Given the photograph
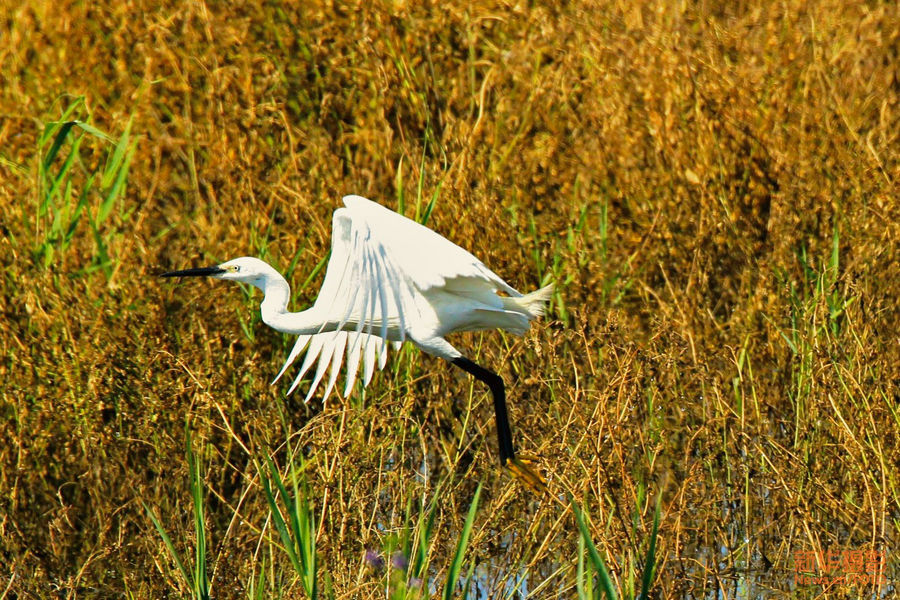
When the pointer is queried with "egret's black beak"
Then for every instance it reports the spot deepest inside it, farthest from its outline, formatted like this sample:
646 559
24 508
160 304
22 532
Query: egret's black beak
198 272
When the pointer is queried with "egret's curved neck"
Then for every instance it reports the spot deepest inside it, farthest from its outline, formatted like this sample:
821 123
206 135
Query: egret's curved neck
274 310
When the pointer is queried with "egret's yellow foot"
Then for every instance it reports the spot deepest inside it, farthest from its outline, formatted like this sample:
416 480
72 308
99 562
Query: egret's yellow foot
521 468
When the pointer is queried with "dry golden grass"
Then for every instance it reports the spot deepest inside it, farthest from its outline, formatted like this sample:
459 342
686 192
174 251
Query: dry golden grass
711 185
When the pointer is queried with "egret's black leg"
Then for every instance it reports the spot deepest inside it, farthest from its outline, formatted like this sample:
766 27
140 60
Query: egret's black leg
519 467
495 382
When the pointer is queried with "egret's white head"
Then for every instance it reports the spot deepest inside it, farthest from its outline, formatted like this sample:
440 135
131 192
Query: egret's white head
245 269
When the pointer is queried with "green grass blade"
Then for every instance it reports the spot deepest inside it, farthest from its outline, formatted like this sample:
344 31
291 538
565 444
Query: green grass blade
76 216
117 189
650 560
599 566
52 126
430 206
289 272
168 542
58 141
101 259
303 528
419 185
95 132
319 266
63 176
583 585
298 531
201 578
119 155
426 526
835 262
398 187
456 565
465 591
277 518
13 165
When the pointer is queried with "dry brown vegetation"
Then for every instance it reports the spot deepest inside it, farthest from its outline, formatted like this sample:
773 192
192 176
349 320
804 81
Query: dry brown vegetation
711 185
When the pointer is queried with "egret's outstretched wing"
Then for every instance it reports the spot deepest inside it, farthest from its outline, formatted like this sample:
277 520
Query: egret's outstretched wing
381 266
329 348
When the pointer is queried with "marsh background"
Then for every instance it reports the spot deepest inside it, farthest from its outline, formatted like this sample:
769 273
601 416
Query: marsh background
711 185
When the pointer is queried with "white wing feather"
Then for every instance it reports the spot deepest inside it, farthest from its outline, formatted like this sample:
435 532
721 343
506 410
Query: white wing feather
381 264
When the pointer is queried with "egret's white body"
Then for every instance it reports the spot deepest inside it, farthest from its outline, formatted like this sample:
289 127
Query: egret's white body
389 279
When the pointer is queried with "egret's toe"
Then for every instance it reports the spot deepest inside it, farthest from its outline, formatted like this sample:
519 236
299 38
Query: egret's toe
522 469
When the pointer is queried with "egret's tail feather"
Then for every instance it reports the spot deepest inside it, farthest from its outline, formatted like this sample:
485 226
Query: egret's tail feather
535 303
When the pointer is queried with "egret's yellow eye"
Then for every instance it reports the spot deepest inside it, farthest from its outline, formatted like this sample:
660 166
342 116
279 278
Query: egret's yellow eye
234 268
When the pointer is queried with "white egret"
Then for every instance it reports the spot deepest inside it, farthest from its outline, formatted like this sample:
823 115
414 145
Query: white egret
390 279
